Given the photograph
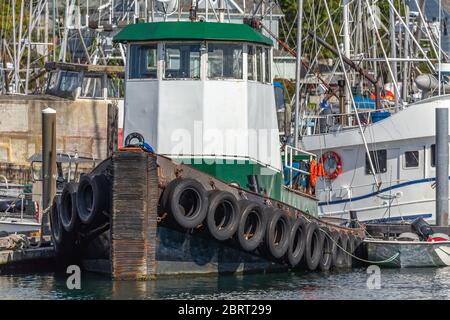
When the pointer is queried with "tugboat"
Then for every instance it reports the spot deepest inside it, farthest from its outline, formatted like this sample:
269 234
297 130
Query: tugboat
201 185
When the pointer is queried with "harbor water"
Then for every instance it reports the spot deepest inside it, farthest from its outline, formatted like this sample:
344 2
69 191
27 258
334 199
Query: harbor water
398 284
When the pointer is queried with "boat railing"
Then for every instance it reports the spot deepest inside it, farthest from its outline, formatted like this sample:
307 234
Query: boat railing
326 123
21 197
6 181
289 158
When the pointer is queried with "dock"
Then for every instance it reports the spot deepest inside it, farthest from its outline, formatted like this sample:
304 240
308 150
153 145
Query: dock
17 251
10 257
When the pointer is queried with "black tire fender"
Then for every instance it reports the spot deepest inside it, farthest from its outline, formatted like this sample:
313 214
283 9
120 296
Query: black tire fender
313 245
341 255
224 206
351 249
93 198
277 233
63 241
55 223
68 207
297 240
252 225
187 203
326 260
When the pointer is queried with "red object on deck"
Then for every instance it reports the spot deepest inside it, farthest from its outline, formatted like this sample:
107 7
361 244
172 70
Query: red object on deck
120 138
436 239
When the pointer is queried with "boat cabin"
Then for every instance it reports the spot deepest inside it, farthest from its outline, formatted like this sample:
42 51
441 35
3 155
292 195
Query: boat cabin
202 93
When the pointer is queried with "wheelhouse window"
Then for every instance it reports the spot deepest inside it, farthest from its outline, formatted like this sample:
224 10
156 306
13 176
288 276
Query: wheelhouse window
182 61
411 159
52 80
267 75
143 61
251 51
92 87
69 81
224 61
115 87
379 160
259 64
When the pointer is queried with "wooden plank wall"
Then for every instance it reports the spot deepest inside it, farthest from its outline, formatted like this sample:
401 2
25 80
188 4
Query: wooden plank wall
134 213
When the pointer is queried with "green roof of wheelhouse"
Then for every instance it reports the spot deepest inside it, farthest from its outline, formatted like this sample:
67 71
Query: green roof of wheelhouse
156 31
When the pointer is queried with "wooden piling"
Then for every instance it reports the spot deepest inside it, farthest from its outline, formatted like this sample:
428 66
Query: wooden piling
134 213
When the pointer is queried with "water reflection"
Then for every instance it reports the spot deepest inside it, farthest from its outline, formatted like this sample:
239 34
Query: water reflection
395 284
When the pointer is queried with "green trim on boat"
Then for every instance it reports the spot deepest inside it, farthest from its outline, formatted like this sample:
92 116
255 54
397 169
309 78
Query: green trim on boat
157 31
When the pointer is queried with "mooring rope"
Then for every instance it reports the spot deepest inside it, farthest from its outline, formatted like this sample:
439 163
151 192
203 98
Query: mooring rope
358 258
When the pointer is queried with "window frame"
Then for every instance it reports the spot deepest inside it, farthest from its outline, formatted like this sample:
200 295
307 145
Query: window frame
433 155
243 74
261 64
404 164
267 62
55 88
251 45
62 74
163 60
158 58
102 86
266 53
367 164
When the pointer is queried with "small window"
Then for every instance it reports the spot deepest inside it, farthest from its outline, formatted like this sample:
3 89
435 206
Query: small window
182 61
259 65
250 63
224 61
91 87
411 159
143 62
115 87
69 81
52 80
433 155
267 64
379 161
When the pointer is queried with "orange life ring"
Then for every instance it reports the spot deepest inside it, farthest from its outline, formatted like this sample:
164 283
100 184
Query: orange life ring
337 159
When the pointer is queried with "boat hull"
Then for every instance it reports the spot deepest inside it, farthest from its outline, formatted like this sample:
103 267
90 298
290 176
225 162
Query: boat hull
182 253
12 225
411 254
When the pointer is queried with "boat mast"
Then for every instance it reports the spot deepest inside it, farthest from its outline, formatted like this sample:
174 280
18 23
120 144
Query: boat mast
358 120
346 35
406 55
393 50
298 70
221 11
440 48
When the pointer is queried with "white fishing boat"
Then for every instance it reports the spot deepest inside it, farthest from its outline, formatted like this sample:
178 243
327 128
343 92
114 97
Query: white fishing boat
379 159
402 148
